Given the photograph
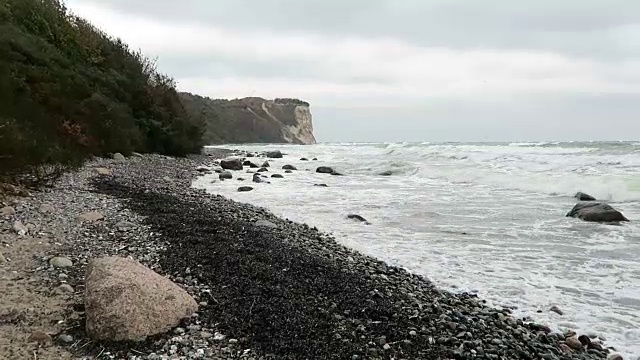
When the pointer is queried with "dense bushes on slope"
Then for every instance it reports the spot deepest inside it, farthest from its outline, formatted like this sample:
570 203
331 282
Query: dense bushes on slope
69 91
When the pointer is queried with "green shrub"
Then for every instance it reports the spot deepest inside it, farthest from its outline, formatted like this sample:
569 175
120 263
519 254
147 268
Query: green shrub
69 91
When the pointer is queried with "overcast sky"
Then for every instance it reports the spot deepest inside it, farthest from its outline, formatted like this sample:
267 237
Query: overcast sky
404 70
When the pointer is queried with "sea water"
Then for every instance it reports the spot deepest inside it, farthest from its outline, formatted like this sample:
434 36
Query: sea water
481 217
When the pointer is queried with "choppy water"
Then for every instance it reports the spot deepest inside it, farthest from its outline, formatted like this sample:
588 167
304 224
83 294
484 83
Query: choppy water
518 248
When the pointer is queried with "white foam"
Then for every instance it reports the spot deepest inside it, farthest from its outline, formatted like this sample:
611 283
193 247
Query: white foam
519 250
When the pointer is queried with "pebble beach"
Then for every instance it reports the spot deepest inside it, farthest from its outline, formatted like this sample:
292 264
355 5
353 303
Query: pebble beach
266 287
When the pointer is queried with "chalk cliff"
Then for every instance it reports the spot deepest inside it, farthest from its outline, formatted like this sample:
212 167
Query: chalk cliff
253 119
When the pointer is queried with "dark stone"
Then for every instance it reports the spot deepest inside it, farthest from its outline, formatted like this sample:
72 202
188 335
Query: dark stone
583 197
289 167
324 170
232 164
250 164
357 217
258 179
315 159
240 179
277 176
337 173
597 212
225 175
263 169
386 173
556 310
584 339
245 188
265 164
304 159
321 185
288 172
274 154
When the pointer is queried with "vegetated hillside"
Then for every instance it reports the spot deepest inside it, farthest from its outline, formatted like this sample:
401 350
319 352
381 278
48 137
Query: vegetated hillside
252 119
69 91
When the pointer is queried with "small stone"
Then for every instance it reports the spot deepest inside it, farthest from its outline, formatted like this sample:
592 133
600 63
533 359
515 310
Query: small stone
60 262
225 175
289 167
91 216
3 260
46 208
122 225
118 157
574 343
205 334
40 337
245 188
615 357
556 310
179 330
103 171
7 210
64 289
19 228
265 223
564 348
496 341
65 338
203 303
63 276
386 346
233 341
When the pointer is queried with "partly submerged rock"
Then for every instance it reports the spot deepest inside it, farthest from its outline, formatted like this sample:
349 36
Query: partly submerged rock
583 197
124 300
231 164
245 188
203 169
596 212
225 175
289 167
358 218
321 185
324 170
386 173
265 164
277 176
250 164
274 154
263 169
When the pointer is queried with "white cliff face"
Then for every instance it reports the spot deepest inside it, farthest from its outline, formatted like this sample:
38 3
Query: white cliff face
302 132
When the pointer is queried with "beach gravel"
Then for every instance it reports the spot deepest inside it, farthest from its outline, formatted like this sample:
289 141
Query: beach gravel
267 288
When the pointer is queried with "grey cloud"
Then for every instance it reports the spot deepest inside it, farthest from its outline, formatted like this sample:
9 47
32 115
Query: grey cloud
570 26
